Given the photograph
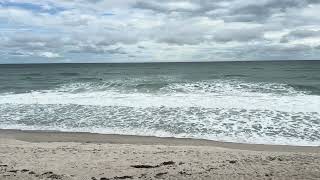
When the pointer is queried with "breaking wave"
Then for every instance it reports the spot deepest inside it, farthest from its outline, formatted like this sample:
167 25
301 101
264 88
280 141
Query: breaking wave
226 110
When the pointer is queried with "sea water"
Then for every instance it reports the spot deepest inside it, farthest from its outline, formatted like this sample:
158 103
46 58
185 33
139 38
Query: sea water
245 102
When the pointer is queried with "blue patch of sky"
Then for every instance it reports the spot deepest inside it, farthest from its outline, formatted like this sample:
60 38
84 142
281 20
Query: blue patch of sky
6 25
12 28
32 7
108 14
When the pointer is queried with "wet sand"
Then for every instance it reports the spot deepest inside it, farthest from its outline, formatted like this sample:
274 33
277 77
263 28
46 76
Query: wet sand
58 155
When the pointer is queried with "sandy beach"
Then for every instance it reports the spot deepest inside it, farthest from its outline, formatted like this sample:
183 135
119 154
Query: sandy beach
56 155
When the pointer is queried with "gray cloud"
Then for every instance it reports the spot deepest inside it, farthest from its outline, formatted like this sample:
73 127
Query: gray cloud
304 33
98 50
262 10
240 35
233 11
227 29
300 34
180 33
33 42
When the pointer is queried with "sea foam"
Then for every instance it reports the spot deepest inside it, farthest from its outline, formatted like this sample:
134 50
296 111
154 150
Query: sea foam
227 110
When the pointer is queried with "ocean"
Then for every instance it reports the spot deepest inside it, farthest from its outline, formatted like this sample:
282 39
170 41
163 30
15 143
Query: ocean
246 102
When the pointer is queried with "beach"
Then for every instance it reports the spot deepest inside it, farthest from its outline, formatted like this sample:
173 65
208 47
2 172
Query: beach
60 155
150 90
239 120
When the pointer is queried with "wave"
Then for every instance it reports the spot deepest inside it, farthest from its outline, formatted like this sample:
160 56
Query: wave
233 125
89 79
224 87
306 88
219 87
234 75
69 74
228 110
31 74
213 94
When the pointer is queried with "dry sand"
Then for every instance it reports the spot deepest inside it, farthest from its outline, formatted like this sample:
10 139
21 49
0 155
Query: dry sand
55 155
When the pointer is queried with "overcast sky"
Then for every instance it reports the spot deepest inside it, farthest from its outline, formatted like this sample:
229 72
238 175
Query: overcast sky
153 30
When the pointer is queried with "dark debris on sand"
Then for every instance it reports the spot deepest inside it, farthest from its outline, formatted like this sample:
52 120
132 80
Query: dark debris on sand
166 163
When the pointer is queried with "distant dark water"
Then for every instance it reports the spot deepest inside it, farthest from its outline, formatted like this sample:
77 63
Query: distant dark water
254 102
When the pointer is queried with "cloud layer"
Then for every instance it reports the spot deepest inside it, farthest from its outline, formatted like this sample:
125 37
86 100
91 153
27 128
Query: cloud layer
152 31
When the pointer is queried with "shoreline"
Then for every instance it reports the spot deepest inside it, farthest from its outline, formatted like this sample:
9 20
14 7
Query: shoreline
39 136
48 155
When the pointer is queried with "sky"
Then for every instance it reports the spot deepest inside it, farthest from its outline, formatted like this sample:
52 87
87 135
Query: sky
75 31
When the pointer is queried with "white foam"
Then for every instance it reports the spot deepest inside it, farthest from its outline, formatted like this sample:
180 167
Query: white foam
271 140
216 110
248 100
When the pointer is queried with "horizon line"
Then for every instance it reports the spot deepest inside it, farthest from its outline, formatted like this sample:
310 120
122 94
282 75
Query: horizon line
158 62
